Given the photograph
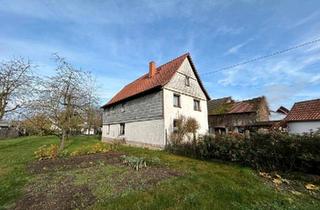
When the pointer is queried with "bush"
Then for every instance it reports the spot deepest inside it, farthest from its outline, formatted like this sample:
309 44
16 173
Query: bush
272 151
92 149
184 126
134 162
138 163
47 152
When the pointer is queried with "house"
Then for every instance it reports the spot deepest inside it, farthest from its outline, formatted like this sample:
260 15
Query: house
226 114
304 117
7 130
145 112
278 115
4 125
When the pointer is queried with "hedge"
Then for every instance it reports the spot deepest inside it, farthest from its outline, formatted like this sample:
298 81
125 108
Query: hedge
272 151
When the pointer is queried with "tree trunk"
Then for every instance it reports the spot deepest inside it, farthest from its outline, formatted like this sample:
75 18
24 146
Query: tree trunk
62 140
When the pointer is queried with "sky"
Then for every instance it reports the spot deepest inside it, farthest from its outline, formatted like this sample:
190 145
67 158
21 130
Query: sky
116 40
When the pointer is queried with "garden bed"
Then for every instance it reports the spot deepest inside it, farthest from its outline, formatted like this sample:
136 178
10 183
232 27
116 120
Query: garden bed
78 182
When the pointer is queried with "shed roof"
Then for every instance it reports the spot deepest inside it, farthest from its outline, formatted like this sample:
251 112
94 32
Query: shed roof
228 106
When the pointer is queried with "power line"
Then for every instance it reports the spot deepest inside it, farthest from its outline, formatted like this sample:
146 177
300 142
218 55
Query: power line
263 57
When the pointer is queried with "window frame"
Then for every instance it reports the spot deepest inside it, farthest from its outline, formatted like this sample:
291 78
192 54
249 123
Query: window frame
175 95
122 108
174 125
108 129
122 129
196 108
187 81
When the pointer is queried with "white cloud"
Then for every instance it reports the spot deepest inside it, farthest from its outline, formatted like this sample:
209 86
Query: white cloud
306 19
315 79
230 77
235 48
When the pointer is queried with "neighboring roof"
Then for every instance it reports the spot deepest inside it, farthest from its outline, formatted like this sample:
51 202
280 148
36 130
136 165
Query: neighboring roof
283 110
163 75
228 106
305 111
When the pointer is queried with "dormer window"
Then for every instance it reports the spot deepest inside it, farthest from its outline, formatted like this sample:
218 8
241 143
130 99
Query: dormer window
187 81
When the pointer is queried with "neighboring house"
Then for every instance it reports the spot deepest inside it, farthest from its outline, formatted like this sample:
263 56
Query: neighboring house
145 111
7 130
304 117
226 114
278 115
4 124
276 119
93 130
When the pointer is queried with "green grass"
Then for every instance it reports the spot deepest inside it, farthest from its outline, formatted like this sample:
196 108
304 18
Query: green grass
204 185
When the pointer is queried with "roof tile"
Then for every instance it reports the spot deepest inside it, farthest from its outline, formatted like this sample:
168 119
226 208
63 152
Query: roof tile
305 111
163 75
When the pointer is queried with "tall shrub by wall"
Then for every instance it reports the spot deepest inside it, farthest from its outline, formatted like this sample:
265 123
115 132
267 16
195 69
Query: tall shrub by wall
273 151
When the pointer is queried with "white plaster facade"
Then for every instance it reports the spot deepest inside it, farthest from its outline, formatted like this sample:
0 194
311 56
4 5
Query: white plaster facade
156 132
187 96
150 132
303 127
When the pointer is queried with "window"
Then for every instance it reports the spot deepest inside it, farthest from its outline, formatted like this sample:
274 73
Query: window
108 129
187 81
196 105
122 128
175 125
122 108
176 100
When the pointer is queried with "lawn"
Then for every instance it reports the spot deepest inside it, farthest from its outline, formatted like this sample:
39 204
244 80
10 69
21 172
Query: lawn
101 183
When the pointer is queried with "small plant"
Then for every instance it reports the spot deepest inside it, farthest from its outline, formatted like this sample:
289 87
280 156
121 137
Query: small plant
154 161
47 152
96 148
134 162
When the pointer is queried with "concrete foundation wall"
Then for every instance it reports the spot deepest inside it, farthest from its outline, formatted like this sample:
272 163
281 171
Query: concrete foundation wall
149 132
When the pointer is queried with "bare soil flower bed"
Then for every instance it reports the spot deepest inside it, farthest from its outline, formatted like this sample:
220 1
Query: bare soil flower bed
83 161
77 182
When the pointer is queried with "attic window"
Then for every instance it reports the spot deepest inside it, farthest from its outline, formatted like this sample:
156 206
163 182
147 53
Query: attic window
187 81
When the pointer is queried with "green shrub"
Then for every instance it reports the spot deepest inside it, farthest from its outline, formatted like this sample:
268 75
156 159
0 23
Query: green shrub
272 151
47 152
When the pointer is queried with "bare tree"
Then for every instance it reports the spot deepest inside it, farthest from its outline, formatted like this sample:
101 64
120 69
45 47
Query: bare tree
65 98
16 85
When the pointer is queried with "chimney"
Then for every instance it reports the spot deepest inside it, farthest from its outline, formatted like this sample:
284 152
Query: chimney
152 69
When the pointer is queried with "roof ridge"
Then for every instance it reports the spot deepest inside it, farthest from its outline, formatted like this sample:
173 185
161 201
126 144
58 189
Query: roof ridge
158 68
184 55
299 102
143 83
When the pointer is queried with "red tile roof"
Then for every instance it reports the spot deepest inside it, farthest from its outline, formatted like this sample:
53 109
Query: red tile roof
305 111
229 106
163 75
